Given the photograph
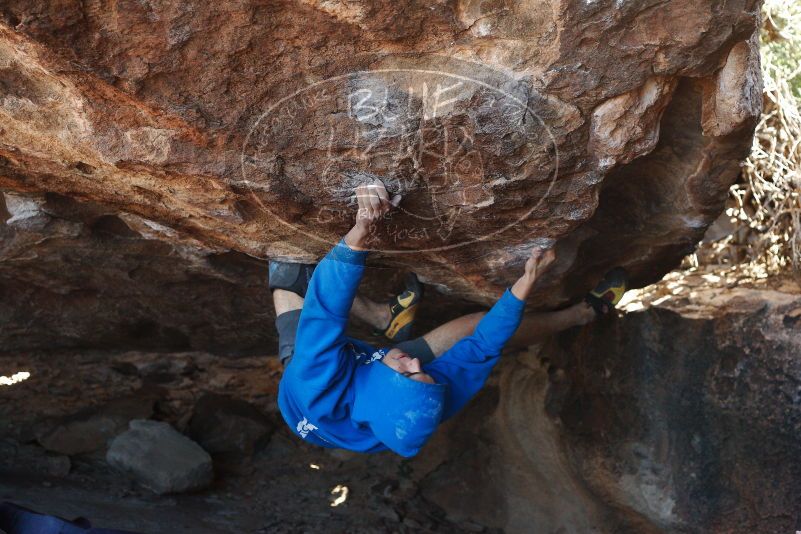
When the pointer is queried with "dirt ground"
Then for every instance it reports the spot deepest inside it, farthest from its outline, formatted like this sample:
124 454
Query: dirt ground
286 486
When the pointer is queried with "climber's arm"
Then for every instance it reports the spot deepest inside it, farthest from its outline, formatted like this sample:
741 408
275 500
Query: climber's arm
536 263
374 203
323 322
466 366
332 288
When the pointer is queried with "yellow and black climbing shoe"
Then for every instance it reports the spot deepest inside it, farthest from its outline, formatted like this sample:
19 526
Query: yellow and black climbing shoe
402 311
609 291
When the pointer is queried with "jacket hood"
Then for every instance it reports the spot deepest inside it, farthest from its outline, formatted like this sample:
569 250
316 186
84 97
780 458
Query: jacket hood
401 412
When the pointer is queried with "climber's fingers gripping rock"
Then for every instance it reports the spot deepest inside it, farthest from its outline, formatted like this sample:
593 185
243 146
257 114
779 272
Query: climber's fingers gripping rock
374 202
538 261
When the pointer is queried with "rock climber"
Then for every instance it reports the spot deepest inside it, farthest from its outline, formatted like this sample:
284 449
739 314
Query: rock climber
341 392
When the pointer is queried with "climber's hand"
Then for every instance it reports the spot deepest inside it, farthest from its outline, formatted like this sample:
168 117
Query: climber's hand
373 204
538 261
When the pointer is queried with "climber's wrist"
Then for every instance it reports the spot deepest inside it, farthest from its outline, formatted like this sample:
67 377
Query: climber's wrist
356 239
522 287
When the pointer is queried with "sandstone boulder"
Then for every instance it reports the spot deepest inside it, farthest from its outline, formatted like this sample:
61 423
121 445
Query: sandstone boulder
153 154
609 131
161 458
681 417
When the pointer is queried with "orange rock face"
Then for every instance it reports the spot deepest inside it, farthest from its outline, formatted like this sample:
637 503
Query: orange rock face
666 419
607 130
154 152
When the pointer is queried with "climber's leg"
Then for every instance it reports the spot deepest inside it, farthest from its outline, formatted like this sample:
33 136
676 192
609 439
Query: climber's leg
288 282
534 327
288 306
286 301
537 326
375 314
445 336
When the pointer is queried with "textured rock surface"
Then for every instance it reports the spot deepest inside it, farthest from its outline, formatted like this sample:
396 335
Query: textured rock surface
18 458
669 419
681 417
151 153
161 458
608 130
222 424
76 275
275 490
92 429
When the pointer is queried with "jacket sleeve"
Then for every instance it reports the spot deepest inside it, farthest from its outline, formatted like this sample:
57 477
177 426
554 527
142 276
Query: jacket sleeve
318 358
466 366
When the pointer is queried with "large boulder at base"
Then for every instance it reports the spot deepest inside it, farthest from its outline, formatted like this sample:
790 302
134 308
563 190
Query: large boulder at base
161 458
161 146
681 417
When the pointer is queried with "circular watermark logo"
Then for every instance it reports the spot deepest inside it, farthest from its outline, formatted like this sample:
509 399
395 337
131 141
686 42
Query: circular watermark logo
466 147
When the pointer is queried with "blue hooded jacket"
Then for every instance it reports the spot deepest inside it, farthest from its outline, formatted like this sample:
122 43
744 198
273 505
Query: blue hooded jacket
335 392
